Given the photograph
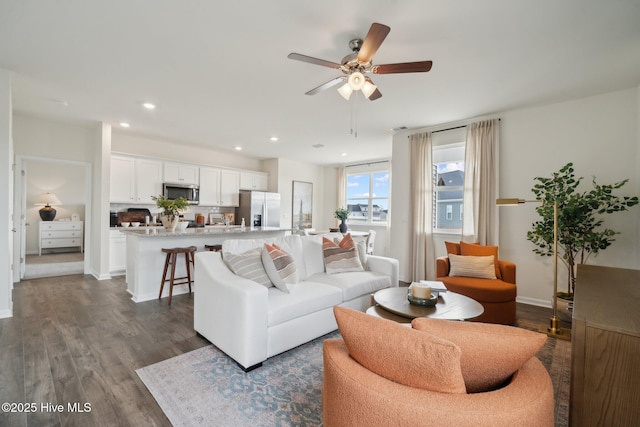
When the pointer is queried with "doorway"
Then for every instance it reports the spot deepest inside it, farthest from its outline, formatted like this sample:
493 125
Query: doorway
70 182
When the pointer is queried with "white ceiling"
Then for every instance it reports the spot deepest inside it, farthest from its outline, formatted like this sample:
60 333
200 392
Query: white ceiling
220 76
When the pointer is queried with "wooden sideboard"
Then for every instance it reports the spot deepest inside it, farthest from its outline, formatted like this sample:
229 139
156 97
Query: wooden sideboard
605 351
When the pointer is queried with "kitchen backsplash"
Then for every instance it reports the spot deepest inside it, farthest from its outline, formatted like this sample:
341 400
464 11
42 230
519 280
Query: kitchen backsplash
189 214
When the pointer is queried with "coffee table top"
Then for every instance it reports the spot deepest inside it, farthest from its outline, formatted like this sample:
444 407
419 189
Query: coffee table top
394 305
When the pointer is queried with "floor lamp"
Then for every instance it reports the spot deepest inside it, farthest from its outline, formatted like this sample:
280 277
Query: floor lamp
554 329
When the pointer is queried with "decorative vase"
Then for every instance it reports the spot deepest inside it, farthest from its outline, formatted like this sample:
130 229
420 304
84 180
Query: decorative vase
343 226
170 222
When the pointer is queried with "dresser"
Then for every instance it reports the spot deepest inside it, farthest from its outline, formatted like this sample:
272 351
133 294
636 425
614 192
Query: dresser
605 348
60 234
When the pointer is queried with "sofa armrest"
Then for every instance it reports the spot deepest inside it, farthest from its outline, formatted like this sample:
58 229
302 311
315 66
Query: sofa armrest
442 266
384 265
508 271
229 310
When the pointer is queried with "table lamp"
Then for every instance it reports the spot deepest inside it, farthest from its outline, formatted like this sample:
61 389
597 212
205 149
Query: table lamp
47 213
554 329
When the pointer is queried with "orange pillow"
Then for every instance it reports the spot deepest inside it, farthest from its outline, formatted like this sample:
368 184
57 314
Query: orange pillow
479 250
401 354
491 354
454 248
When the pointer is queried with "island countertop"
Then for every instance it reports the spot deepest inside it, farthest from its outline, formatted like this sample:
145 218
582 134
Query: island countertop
232 232
145 259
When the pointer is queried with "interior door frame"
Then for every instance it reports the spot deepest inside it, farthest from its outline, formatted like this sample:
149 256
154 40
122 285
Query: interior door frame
20 209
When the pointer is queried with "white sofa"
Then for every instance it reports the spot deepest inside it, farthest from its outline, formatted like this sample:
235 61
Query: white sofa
251 322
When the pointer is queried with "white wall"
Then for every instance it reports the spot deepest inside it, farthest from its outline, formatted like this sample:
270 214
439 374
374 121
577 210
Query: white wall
599 134
6 195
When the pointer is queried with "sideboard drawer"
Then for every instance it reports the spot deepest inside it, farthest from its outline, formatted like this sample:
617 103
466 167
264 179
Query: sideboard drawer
60 243
69 234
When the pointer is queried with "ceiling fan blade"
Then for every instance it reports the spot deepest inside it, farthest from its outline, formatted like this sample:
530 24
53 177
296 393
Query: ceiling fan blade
326 85
375 95
312 60
405 67
376 35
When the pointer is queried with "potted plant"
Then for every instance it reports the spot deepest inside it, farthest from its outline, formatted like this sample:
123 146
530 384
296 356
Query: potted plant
342 214
580 219
170 210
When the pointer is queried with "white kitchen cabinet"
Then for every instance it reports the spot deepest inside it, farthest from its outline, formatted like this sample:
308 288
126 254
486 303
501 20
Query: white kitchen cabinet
181 173
134 180
254 181
117 252
60 234
219 187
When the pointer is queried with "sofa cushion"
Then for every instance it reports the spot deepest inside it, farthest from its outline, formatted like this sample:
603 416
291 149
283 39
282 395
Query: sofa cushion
481 267
401 354
480 250
280 267
307 298
491 354
248 265
341 257
354 284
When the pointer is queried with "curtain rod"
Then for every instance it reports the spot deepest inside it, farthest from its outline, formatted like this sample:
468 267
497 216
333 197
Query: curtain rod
453 128
367 164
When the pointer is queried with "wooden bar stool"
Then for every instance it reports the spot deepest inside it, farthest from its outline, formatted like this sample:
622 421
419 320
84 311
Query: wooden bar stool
214 248
172 258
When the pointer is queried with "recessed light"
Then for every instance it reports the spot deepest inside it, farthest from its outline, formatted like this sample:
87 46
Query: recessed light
125 124
238 148
273 139
149 106
343 154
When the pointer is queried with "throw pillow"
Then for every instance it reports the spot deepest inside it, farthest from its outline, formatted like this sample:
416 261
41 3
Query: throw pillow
341 257
248 265
480 250
481 267
491 354
452 247
280 267
401 354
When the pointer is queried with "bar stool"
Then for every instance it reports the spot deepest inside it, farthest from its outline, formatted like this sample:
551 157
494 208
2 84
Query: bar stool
172 258
214 248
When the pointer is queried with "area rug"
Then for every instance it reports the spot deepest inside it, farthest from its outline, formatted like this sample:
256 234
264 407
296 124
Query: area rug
205 387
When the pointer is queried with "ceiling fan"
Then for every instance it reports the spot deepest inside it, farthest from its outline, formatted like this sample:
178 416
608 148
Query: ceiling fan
355 65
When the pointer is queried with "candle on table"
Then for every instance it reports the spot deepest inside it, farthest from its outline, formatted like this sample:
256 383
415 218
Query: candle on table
420 290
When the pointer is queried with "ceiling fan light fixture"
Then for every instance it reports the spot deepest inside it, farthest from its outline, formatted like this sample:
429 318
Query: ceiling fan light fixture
356 80
345 90
368 88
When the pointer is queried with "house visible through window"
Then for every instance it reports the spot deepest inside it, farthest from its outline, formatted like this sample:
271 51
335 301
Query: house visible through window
368 196
448 181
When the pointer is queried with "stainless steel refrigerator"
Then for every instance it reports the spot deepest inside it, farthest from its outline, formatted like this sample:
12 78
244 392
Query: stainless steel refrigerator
259 209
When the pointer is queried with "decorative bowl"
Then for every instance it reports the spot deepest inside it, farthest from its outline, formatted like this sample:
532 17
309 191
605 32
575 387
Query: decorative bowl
125 224
182 225
423 302
135 224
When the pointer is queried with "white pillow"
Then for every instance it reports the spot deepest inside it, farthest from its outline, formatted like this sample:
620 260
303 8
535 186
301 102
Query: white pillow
481 267
248 265
280 267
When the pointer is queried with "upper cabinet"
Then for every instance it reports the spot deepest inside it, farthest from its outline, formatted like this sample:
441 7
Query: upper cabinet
181 173
219 187
254 181
134 180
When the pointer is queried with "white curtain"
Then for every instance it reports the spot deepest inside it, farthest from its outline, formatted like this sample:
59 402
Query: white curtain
341 185
480 216
421 190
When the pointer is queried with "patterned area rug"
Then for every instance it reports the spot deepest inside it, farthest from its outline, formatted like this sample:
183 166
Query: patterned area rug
205 386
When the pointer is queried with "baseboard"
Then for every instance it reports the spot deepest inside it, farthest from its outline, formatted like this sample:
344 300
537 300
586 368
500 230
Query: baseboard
100 276
5 314
534 301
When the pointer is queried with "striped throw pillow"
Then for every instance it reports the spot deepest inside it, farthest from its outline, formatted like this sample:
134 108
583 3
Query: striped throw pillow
342 257
481 267
248 265
280 267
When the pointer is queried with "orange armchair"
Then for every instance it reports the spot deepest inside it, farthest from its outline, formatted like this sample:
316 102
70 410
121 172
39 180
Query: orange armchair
497 296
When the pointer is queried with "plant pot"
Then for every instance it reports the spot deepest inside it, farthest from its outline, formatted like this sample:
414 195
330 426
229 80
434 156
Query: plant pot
170 222
343 226
565 309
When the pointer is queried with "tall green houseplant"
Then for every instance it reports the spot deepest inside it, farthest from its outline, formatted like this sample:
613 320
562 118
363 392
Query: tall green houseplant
580 218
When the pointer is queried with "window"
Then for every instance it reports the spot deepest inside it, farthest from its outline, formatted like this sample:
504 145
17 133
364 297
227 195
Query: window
448 184
368 197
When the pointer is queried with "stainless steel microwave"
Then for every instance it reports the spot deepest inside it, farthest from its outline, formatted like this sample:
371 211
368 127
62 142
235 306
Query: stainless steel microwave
175 191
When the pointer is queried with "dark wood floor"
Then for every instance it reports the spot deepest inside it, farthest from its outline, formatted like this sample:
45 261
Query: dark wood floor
77 340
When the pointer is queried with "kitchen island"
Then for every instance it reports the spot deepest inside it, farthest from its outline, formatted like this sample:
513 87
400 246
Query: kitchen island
145 260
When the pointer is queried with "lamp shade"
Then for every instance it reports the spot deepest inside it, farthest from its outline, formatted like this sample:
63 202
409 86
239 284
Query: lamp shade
345 90
368 88
47 213
356 80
